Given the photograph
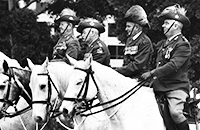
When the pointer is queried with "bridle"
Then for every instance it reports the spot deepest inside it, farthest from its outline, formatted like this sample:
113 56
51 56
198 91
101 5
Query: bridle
87 104
81 100
48 101
13 82
6 101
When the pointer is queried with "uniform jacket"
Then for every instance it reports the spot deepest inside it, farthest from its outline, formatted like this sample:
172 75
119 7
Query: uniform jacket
137 54
67 44
173 61
99 51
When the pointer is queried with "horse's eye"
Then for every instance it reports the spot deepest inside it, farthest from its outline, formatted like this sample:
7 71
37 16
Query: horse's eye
2 86
42 86
79 82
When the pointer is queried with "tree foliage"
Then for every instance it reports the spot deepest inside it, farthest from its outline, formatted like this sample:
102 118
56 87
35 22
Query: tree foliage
22 36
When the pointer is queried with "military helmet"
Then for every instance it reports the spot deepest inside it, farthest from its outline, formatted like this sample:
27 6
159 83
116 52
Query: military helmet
90 23
175 12
137 15
68 15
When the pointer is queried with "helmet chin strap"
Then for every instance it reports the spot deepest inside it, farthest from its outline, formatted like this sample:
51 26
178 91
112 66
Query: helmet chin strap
169 28
132 30
88 34
65 30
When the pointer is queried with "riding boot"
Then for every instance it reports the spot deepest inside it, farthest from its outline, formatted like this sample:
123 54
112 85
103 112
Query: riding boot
183 125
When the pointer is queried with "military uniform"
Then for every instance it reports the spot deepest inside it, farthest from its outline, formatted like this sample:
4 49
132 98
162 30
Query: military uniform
67 44
173 60
99 51
137 54
172 65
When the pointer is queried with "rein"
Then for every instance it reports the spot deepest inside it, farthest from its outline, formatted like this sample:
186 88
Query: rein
13 103
48 101
89 107
84 89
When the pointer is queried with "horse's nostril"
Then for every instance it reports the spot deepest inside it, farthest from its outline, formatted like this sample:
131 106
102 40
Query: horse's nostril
38 119
65 111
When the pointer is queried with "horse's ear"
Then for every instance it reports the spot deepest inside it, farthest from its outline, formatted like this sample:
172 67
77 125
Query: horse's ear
5 66
89 60
46 62
71 60
30 64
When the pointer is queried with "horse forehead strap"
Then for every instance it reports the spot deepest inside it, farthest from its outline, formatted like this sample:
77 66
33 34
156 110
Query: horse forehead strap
10 73
88 71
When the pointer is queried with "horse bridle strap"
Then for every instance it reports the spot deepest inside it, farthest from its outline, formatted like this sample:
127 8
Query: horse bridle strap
135 88
49 92
129 93
50 81
11 76
5 99
84 88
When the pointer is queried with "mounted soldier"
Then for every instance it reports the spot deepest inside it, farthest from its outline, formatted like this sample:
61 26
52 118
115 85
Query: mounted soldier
138 48
90 30
173 60
68 43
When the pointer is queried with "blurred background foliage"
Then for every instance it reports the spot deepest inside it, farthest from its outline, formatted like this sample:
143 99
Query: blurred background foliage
21 36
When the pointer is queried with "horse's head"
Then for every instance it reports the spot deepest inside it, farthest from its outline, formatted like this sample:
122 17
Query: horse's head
40 90
76 93
9 88
48 82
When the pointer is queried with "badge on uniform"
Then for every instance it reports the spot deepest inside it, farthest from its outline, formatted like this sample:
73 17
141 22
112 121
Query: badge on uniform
131 50
167 54
99 50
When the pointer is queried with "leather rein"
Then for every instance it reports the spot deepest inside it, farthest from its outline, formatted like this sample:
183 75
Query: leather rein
87 104
13 103
48 101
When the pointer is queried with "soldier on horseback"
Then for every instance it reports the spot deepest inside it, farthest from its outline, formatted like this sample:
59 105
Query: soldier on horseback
173 60
68 43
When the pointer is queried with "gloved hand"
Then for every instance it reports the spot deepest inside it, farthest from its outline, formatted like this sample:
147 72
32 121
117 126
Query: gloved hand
147 75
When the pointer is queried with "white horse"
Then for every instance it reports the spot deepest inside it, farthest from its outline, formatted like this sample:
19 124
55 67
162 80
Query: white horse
139 112
17 83
49 82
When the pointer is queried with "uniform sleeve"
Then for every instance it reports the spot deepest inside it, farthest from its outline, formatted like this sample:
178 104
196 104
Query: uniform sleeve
179 57
138 61
73 49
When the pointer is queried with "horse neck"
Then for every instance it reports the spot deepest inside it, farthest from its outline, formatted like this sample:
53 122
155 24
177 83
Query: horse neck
60 75
111 84
23 76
